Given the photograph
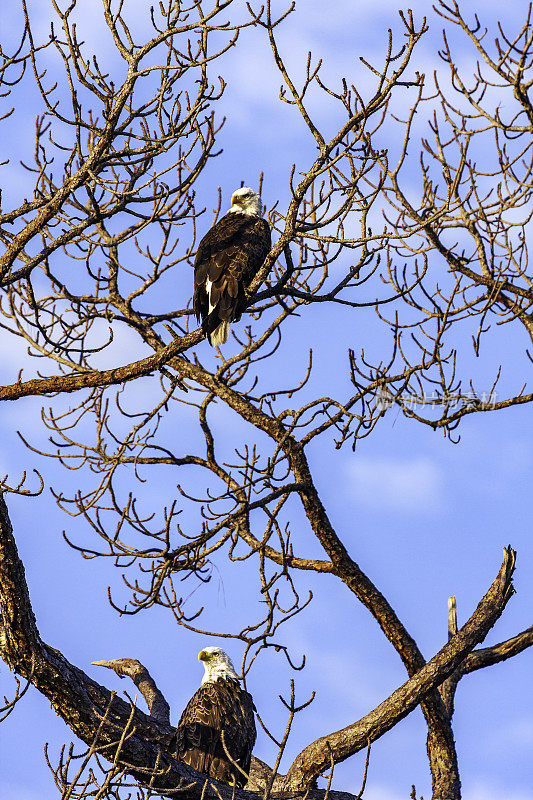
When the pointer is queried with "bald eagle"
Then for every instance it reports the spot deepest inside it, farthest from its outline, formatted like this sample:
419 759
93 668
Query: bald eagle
216 732
228 258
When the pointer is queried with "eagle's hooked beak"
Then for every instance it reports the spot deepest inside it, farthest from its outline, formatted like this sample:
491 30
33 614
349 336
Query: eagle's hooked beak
235 201
202 655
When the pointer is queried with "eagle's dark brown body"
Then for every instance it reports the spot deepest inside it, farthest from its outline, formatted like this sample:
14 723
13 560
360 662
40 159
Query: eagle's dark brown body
229 256
219 713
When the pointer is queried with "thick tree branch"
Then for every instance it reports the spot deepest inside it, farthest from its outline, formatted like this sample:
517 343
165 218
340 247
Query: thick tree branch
344 743
107 377
487 656
440 743
155 700
82 703
89 708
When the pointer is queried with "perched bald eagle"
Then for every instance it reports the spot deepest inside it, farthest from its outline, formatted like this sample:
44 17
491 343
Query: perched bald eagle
228 257
216 732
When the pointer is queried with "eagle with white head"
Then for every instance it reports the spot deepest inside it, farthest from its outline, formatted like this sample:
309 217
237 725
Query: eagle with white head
228 258
216 732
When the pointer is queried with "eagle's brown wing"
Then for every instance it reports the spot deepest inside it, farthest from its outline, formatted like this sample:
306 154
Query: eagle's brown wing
219 713
229 255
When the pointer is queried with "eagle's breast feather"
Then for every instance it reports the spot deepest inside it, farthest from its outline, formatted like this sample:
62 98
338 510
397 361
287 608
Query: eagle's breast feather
228 258
218 721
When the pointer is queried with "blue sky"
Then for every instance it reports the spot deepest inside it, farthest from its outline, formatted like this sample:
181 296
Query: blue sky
423 517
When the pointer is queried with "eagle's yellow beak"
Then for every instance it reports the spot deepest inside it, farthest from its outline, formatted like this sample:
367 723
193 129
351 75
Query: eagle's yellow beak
235 201
202 655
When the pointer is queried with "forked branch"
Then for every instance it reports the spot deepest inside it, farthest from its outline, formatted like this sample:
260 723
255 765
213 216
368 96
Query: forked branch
81 702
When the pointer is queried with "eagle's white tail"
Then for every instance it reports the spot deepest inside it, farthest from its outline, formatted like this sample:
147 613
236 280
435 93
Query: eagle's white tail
220 334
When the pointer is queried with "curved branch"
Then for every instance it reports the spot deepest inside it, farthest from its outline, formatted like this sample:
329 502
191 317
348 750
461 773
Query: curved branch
106 377
344 743
82 702
155 700
91 710
78 699
441 747
487 656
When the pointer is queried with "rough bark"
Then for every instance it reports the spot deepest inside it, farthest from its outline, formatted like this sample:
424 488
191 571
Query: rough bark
132 667
88 708
440 741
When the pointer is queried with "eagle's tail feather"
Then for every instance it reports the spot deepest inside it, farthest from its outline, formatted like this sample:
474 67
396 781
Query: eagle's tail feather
220 334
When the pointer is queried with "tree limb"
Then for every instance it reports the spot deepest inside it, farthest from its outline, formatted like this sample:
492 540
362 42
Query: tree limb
344 743
83 703
155 700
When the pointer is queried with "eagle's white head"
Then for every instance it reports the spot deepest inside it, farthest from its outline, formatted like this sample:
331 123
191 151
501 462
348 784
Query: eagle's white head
246 201
217 664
